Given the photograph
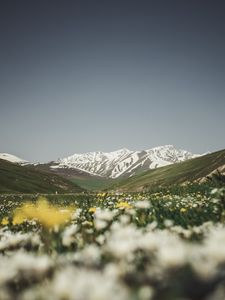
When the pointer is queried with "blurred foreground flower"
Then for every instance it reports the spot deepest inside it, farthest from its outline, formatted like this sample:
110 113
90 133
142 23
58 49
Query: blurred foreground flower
92 210
48 215
123 205
5 221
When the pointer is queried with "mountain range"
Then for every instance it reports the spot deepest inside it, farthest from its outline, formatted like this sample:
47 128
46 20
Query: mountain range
122 170
123 162
120 163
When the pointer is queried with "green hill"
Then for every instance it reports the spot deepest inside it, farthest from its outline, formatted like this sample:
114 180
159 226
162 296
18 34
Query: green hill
196 169
83 179
26 179
94 183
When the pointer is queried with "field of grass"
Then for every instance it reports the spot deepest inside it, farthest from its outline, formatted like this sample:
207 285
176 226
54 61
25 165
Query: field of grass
83 179
163 245
187 171
93 183
17 179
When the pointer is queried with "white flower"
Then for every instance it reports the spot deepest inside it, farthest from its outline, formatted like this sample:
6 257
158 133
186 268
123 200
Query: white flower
100 224
77 213
90 255
68 235
10 241
145 293
23 266
75 284
105 215
122 240
144 204
168 223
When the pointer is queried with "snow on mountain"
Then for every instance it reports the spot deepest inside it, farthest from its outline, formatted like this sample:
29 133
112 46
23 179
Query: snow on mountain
124 162
12 158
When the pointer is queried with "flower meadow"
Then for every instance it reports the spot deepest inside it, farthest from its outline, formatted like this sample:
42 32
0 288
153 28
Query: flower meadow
165 245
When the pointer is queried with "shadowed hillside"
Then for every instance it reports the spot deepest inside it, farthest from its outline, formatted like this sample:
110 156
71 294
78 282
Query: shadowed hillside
25 179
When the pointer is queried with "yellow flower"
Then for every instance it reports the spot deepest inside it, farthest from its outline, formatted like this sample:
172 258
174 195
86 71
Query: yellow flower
92 210
18 218
49 216
183 209
123 205
5 221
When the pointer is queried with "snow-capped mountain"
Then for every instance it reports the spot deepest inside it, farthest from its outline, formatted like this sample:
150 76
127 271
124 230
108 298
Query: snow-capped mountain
12 158
123 162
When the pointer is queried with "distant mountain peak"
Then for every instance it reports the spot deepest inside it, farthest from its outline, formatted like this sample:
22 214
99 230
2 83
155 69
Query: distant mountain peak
164 146
122 150
12 158
124 162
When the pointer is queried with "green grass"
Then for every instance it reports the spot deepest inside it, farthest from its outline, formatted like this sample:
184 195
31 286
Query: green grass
93 183
26 179
81 178
178 173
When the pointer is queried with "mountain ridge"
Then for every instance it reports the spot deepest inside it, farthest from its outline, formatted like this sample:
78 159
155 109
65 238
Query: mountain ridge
123 162
208 168
12 158
114 164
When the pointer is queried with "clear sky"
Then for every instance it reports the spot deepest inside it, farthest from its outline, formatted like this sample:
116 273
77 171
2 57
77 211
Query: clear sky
80 76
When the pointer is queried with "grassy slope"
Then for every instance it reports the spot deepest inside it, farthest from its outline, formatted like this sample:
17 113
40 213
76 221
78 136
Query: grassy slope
18 179
178 173
81 178
93 183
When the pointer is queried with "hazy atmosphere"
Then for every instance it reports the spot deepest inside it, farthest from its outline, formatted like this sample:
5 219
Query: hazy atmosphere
80 76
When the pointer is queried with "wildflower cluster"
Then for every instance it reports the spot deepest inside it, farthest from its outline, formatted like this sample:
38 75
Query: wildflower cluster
49 216
115 246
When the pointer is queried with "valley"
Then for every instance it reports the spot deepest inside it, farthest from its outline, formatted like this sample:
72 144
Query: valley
63 227
122 170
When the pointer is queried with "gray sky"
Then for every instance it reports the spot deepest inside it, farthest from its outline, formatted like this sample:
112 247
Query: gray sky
80 76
